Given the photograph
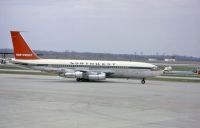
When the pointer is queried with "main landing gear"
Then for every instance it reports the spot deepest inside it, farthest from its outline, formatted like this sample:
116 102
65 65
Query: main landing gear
143 81
82 80
78 79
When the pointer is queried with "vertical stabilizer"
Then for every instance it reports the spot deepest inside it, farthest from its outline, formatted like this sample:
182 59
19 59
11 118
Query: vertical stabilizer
21 48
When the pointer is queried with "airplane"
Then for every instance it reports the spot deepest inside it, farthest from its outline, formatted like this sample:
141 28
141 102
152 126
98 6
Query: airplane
81 70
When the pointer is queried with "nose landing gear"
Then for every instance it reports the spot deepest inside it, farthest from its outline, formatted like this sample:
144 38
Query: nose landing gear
143 81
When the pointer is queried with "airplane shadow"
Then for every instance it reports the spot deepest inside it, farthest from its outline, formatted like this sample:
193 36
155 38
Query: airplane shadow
107 81
96 82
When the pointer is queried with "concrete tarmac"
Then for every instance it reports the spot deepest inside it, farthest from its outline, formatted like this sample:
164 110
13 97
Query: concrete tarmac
34 101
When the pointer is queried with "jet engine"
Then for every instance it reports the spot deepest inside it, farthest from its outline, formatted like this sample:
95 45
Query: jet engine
84 76
73 74
101 76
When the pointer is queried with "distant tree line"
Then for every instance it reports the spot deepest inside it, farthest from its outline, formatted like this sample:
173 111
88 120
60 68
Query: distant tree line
104 56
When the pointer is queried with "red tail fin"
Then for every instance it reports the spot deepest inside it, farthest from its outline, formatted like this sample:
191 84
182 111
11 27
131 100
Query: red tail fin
21 48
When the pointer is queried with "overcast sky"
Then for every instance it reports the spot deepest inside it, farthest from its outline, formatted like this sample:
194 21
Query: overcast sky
111 26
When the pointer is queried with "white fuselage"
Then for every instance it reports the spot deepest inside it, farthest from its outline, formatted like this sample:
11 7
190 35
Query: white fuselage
119 69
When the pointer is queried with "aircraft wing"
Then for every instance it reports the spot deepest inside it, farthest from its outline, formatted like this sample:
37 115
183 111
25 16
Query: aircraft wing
62 71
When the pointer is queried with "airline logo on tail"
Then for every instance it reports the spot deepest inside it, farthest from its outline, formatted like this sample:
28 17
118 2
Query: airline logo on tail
21 48
24 54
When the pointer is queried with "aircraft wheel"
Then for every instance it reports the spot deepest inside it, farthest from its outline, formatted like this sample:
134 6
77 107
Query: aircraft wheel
86 80
78 79
143 81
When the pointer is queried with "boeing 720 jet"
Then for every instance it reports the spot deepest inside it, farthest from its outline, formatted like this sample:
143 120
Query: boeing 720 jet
81 70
